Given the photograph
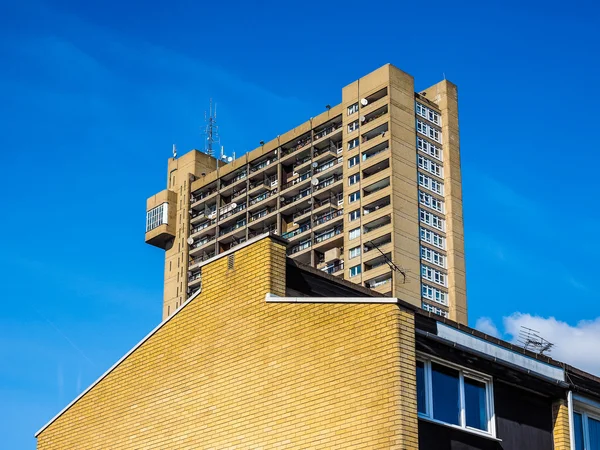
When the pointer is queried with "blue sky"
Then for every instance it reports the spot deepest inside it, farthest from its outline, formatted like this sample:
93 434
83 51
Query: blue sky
95 93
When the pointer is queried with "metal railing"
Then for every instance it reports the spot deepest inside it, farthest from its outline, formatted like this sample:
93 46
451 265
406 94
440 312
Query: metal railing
197 197
328 235
332 268
327 217
328 130
328 182
328 165
260 214
300 179
261 197
206 240
291 234
239 177
235 210
297 197
240 224
300 247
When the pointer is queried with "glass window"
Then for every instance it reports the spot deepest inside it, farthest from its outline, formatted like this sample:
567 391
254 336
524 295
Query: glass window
353 179
352 109
421 399
354 197
353 143
354 252
354 233
578 425
453 395
594 432
353 126
353 161
475 404
354 215
445 388
354 271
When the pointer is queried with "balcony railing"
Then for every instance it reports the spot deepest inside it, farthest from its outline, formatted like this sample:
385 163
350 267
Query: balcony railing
329 216
197 197
239 192
367 155
194 277
328 235
240 224
328 182
260 197
239 177
374 284
206 240
328 130
235 210
261 213
332 268
270 229
291 234
297 197
300 213
262 165
328 165
301 246
268 182
300 179
301 161
202 226
326 201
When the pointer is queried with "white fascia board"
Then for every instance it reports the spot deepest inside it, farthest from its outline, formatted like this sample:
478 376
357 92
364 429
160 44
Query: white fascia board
496 351
270 298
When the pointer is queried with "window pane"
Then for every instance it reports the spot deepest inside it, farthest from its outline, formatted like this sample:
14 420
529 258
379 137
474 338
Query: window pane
578 425
594 431
421 387
475 404
446 402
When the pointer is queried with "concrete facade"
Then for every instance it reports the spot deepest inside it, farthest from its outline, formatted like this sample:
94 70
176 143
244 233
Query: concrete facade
372 181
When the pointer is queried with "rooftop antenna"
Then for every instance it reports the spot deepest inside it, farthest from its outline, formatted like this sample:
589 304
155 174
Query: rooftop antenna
174 151
212 130
531 340
389 262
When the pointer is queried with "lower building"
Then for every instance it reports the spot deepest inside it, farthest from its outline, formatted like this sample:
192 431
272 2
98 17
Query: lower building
271 353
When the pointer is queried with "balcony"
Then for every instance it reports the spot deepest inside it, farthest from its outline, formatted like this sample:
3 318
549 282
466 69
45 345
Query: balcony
375 168
305 176
376 205
302 143
334 150
300 214
329 182
376 114
302 246
302 194
200 258
195 279
202 226
237 226
261 214
291 235
374 151
333 269
258 199
328 130
160 219
261 184
262 230
262 164
202 195
328 217
375 187
382 284
196 247
231 210
328 165
376 224
379 131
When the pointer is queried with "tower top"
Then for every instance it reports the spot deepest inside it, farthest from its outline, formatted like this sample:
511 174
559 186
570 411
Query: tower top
211 130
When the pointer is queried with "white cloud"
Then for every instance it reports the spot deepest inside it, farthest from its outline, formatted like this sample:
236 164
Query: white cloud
576 345
487 326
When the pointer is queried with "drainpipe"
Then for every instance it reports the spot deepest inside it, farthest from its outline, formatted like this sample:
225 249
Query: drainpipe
571 421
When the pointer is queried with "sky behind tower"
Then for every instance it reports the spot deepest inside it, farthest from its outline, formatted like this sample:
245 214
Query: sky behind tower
94 94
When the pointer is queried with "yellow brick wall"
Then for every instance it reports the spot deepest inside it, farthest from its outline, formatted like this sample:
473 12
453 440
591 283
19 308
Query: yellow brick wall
560 417
232 371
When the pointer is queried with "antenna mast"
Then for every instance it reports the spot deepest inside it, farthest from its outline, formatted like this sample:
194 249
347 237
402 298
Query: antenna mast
212 130
531 340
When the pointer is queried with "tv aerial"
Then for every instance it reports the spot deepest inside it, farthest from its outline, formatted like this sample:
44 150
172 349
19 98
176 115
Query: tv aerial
531 340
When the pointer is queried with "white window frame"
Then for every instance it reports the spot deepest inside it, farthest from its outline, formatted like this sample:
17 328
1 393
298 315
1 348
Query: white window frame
353 143
430 255
354 252
353 179
428 113
431 202
430 166
429 131
433 238
588 409
353 126
432 220
353 109
353 160
157 216
357 194
429 183
434 294
358 271
462 372
353 234
435 276
435 310
354 215
427 147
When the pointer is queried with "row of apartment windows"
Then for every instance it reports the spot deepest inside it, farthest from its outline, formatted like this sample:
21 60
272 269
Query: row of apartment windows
431 202
450 394
428 113
434 309
427 147
429 131
433 238
432 220
431 274
433 257
430 166
432 293
431 184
